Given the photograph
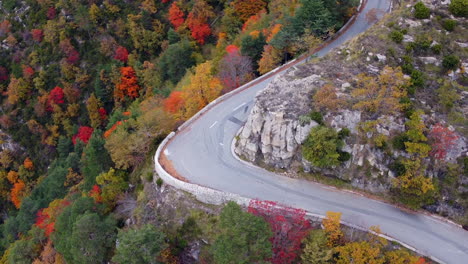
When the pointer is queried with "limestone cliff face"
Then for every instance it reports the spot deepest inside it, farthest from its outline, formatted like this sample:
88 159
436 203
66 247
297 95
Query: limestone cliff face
273 132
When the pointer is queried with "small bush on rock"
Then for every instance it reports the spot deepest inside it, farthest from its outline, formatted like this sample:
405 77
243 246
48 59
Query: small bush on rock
459 8
437 48
449 24
451 62
421 11
396 36
317 117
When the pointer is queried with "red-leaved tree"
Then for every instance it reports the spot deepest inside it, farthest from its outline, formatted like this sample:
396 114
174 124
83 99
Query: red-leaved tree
102 113
28 72
443 141
45 218
234 70
95 193
51 13
176 16
289 227
84 134
67 48
232 48
121 54
3 74
200 30
37 34
56 96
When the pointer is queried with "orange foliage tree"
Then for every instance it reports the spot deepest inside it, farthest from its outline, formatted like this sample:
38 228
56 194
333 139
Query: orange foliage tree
174 102
128 85
17 193
247 8
176 16
28 164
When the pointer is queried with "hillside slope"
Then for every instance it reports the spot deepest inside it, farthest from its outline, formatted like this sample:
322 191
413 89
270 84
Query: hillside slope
398 95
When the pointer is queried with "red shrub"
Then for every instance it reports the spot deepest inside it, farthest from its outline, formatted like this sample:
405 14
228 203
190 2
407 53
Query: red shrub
443 141
289 227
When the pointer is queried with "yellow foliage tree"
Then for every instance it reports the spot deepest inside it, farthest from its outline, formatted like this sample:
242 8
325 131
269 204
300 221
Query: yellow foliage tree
359 253
413 180
202 89
332 228
271 58
382 94
326 99
93 111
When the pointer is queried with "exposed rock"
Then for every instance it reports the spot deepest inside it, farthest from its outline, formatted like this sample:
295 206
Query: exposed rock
430 60
412 23
345 119
407 38
382 58
462 44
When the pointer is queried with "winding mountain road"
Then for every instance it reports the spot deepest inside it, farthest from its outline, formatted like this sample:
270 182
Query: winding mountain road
201 153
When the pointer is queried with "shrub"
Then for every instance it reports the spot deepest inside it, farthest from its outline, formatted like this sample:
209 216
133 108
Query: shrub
459 8
317 117
149 177
397 167
344 156
423 42
410 47
437 48
451 62
449 24
398 142
421 11
345 132
322 147
417 78
396 36
159 182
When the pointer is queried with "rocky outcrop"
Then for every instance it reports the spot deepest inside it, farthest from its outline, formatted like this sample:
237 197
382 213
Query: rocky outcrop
273 132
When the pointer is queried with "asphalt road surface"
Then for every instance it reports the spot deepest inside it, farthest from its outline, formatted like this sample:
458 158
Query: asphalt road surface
202 154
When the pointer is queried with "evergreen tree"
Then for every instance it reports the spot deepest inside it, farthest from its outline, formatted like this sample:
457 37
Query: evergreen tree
95 160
